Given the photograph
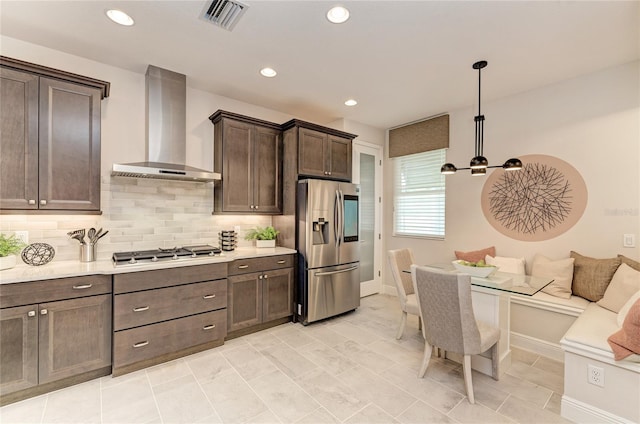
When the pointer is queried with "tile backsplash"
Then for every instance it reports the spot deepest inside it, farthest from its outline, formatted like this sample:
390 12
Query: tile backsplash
139 214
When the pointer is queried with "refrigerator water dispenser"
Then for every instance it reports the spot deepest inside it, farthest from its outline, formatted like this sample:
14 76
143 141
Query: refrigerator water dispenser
320 231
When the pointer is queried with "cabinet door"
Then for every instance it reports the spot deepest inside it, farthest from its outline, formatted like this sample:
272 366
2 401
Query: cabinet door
244 301
18 348
74 336
18 140
312 146
277 294
237 188
69 146
339 158
267 174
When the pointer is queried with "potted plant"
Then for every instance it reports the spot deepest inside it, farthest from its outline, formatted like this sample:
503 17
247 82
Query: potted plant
9 247
264 237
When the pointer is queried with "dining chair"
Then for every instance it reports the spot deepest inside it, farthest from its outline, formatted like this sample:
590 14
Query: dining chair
444 301
401 260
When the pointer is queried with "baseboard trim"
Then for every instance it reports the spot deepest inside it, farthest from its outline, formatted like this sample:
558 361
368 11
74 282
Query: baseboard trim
581 412
390 290
541 347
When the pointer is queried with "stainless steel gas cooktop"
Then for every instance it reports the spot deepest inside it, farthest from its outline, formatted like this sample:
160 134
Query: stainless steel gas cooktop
160 254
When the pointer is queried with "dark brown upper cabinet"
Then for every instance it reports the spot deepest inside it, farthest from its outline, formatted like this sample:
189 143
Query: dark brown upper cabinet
50 139
248 155
320 152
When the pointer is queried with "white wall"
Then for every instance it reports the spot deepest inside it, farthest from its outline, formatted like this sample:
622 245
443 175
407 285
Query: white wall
591 122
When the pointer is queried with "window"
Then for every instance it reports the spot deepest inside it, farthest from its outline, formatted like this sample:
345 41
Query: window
419 197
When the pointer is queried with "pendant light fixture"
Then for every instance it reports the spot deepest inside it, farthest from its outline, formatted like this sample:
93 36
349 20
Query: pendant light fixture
479 163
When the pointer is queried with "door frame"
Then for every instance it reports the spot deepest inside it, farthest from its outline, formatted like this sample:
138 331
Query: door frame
373 286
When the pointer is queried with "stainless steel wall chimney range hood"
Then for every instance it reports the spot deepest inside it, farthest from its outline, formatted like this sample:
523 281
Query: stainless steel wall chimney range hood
166 104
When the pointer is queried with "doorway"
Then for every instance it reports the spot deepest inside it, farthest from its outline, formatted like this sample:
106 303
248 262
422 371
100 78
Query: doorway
367 171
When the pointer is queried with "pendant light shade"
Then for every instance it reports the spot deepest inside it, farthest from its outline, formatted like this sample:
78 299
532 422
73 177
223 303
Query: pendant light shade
448 168
512 164
479 164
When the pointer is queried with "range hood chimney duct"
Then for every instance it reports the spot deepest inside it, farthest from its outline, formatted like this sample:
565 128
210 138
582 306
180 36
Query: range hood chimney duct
165 150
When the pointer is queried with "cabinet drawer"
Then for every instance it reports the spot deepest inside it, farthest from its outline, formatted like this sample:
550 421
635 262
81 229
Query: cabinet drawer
244 266
145 280
151 341
18 294
146 307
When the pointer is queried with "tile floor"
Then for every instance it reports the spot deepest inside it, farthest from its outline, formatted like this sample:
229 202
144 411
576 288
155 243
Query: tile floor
349 369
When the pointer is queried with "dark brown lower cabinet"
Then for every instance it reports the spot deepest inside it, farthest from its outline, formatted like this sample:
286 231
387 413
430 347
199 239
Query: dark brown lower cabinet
164 314
74 337
49 343
277 291
257 298
18 348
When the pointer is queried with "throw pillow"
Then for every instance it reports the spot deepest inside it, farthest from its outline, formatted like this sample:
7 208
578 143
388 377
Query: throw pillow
511 265
633 264
475 255
561 271
626 341
625 309
591 276
624 284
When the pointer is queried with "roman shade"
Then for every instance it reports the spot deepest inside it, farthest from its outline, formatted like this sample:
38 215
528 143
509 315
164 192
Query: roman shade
422 136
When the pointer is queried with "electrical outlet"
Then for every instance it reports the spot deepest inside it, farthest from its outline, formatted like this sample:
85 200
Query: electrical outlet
595 375
23 235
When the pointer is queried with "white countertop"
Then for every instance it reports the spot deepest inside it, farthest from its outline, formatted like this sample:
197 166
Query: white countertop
60 269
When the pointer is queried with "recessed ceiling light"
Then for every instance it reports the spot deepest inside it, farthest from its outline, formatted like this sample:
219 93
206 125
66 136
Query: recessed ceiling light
268 72
338 14
119 17
351 102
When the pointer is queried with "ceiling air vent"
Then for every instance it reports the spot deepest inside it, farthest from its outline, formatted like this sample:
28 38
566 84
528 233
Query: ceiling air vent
224 13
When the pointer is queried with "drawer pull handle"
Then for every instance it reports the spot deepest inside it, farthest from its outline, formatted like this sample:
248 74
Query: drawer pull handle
282 262
209 327
141 309
243 266
83 286
43 312
31 314
141 344
208 296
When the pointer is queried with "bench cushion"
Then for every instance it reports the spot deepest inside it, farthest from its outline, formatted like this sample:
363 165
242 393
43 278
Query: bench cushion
573 302
593 328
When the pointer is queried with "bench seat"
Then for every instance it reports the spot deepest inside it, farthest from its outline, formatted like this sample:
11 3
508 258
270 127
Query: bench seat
538 322
585 346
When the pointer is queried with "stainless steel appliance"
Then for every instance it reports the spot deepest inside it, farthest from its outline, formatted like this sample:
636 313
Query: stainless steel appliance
166 145
160 254
327 242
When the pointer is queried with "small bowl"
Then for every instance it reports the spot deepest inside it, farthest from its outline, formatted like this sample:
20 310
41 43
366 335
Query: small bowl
475 271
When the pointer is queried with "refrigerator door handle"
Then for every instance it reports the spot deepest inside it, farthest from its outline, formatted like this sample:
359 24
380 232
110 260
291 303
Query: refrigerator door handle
320 274
341 216
336 219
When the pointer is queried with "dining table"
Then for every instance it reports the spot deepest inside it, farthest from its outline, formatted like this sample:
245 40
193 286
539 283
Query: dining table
491 300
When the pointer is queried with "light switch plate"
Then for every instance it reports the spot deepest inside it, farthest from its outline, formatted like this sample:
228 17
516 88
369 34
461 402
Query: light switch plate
629 240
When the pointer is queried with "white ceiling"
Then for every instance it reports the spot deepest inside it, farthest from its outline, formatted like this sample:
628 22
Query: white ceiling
402 60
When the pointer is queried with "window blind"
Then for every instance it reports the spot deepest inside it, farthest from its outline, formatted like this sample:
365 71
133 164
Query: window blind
419 195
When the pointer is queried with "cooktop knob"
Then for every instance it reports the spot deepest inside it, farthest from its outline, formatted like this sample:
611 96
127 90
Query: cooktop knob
175 256
193 255
154 259
132 261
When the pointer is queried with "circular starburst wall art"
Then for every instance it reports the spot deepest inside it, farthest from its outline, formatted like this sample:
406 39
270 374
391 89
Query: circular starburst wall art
541 201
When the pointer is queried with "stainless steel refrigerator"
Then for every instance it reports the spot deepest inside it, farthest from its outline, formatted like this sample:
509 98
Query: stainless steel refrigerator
328 246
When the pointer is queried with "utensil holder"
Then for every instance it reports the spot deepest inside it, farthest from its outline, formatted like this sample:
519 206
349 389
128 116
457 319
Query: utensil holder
88 252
